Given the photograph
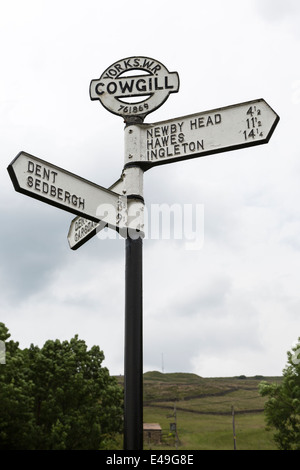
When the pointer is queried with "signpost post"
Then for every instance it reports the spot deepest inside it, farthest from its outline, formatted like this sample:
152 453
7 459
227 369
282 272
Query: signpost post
121 207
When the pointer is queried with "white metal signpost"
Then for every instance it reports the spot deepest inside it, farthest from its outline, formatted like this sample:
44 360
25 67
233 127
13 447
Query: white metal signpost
82 229
132 96
53 185
219 130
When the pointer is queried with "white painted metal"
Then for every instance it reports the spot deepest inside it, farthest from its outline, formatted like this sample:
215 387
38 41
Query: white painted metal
117 84
201 134
134 183
58 187
82 229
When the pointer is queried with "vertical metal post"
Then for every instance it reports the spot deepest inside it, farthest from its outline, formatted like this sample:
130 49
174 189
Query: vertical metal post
133 362
233 428
133 373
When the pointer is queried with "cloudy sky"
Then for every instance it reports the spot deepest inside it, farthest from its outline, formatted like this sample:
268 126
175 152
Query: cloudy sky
230 307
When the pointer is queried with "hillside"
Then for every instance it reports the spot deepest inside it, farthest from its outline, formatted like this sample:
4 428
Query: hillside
185 387
202 409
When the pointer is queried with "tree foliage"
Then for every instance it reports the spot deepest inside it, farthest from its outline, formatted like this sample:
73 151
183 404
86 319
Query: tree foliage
57 397
282 408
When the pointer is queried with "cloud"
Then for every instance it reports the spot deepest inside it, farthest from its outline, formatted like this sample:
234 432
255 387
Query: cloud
284 16
278 10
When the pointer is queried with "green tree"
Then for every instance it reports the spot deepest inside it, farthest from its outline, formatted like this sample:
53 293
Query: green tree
282 408
16 399
70 399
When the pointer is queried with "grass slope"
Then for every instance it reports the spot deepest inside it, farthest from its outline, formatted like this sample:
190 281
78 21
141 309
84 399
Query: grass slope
203 409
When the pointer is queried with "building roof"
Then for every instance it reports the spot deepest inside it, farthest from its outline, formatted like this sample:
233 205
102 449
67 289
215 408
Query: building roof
151 427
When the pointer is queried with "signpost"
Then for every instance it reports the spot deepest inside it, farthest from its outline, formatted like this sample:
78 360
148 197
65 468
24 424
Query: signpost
196 135
121 207
82 229
115 86
42 180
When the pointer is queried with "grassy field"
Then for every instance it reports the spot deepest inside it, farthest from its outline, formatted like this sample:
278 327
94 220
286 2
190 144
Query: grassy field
203 409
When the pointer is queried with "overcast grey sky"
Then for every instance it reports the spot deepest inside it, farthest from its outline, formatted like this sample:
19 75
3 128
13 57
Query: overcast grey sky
229 308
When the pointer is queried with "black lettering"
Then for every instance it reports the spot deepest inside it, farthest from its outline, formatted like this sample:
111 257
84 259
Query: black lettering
193 124
127 86
54 175
180 137
141 87
59 194
30 167
112 72
200 145
176 149
156 68
168 87
218 118
46 174
204 121
30 181
152 154
157 87
118 68
81 203
45 188
150 144
127 64
37 184
112 88
147 64
97 89
38 169
53 191
67 197
184 146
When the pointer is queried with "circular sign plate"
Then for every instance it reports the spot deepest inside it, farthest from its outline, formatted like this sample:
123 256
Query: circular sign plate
137 94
